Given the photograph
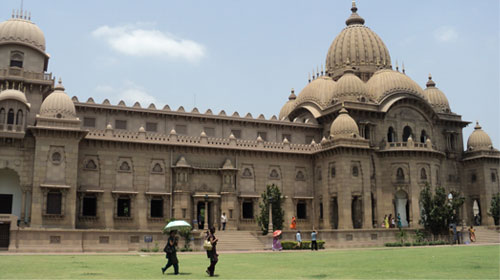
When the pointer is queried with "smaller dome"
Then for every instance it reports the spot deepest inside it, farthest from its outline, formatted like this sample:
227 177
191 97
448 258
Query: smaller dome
479 140
318 91
288 107
436 97
14 94
350 87
344 125
21 30
385 82
58 104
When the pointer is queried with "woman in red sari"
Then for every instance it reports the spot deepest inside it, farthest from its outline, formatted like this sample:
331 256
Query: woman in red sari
293 225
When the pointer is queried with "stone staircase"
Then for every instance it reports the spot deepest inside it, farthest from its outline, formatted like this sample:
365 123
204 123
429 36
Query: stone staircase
232 240
485 235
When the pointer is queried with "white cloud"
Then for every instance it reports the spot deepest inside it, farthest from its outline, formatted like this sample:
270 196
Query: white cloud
135 41
446 34
129 92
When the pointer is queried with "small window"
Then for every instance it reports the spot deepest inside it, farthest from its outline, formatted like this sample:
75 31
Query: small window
391 136
332 172
247 173
54 200
88 122
157 168
274 174
300 176
423 136
400 175
10 117
319 175
120 124
309 139
19 117
2 115
355 171
151 126
262 135
287 136
493 177
157 208
56 157
123 205
473 178
209 131
423 174
301 210
16 59
236 133
91 165
89 207
407 133
124 166
247 210
181 129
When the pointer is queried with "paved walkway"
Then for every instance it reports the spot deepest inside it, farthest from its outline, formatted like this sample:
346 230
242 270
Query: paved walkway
229 252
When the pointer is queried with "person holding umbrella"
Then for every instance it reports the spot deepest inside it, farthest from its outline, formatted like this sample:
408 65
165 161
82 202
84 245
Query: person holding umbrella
171 251
276 241
171 247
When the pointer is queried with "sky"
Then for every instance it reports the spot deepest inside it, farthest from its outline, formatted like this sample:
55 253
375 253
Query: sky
246 56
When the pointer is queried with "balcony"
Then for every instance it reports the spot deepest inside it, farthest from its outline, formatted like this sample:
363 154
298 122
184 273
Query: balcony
17 73
410 145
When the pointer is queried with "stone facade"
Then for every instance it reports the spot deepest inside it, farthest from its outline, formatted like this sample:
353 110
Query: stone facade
359 142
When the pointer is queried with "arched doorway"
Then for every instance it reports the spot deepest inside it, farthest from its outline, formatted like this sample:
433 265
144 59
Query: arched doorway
10 193
476 211
401 205
335 213
357 212
407 132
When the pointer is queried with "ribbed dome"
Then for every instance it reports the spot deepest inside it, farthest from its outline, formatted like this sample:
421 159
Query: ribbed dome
288 107
436 97
479 140
344 125
58 105
13 94
20 30
319 91
350 87
385 82
356 46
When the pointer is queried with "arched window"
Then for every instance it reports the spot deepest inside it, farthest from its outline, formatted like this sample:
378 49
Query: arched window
2 115
406 133
355 171
391 136
157 168
400 175
10 117
19 117
367 132
423 174
452 141
16 59
124 166
423 136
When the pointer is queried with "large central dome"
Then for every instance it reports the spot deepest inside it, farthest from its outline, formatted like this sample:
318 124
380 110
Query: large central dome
358 48
21 30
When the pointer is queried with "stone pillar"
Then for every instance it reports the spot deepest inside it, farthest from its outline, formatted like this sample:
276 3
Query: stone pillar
367 210
23 206
270 226
344 202
206 216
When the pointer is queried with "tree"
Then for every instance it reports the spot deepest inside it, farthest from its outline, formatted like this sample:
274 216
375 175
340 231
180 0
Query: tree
495 208
278 213
438 211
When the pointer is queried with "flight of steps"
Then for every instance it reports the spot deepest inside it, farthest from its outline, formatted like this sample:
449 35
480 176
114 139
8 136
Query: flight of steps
237 240
486 235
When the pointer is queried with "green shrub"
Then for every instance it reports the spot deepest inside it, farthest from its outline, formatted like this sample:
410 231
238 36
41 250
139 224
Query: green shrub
407 244
289 245
321 244
393 244
294 245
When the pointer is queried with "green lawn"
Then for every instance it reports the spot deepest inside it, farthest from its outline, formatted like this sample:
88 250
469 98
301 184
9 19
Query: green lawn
479 262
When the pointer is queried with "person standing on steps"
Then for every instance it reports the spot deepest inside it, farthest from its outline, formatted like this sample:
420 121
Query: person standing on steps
314 244
223 221
293 224
212 254
171 251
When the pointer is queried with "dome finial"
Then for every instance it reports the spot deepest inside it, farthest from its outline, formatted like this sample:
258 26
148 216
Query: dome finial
309 77
430 82
477 125
397 65
403 67
59 85
292 95
354 18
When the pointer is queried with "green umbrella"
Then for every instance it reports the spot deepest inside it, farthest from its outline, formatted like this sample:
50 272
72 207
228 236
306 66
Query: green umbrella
177 225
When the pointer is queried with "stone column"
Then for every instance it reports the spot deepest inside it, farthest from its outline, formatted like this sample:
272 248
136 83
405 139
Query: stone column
367 210
206 216
23 206
344 201
270 226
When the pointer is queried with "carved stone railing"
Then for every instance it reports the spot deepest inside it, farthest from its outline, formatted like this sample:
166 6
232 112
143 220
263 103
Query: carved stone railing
29 75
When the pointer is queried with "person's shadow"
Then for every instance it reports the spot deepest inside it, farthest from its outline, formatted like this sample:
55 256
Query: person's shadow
180 273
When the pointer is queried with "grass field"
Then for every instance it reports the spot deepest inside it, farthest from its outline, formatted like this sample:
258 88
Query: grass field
472 262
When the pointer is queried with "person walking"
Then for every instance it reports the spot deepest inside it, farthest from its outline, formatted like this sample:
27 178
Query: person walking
472 234
293 225
212 254
171 251
223 221
298 237
400 225
314 244
386 221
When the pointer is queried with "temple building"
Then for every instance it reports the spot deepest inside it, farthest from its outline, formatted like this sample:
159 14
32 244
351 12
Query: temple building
359 141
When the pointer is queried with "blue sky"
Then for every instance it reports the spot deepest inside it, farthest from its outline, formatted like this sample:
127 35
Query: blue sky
245 56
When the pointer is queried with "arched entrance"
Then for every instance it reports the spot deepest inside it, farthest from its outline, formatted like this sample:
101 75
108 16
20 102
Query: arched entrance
357 212
476 211
401 205
10 193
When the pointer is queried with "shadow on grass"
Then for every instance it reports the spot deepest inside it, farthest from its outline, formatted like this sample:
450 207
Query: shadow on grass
180 273
319 276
